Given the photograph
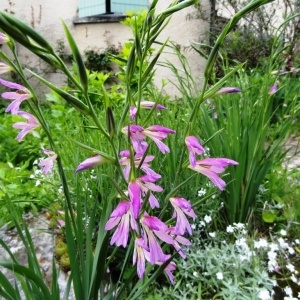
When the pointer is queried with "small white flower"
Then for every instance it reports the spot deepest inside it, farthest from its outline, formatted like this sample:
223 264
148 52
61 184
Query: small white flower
193 226
290 267
283 232
212 234
288 291
279 205
202 224
291 250
239 225
201 192
207 219
195 274
294 278
261 243
229 229
264 295
282 243
37 183
219 275
273 247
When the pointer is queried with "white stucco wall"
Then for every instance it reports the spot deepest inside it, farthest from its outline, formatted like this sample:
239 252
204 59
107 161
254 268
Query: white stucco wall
45 17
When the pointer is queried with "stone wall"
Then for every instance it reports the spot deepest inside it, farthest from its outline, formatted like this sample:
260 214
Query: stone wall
44 16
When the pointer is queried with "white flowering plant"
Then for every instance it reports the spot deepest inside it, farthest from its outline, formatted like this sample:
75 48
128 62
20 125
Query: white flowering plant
235 265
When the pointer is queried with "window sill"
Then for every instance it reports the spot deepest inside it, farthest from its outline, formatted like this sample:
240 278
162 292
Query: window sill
105 18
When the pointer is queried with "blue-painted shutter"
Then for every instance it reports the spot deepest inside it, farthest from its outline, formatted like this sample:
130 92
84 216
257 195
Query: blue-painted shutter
87 8
122 6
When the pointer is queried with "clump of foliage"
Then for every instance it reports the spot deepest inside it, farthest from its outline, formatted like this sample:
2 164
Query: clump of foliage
100 61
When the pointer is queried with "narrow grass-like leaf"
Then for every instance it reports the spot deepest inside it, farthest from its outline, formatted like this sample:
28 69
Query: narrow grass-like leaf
78 58
75 102
29 274
27 31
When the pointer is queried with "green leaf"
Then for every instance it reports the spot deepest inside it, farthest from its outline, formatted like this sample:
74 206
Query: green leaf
79 61
17 25
29 275
269 216
79 105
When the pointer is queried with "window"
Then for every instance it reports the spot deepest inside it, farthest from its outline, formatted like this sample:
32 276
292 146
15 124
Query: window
89 8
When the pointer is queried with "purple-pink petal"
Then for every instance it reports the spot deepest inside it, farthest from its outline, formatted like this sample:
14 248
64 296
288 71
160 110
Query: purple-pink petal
213 176
13 85
151 104
273 89
31 124
48 162
134 192
92 161
121 209
182 207
154 223
120 236
132 112
159 131
4 68
194 147
227 90
140 253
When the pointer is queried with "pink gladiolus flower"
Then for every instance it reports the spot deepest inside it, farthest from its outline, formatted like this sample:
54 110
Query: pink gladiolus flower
132 112
146 183
273 89
48 162
155 227
19 96
144 104
134 192
137 137
31 124
125 161
194 148
211 167
158 133
177 240
3 38
169 268
92 161
4 68
226 90
182 207
140 255
121 216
